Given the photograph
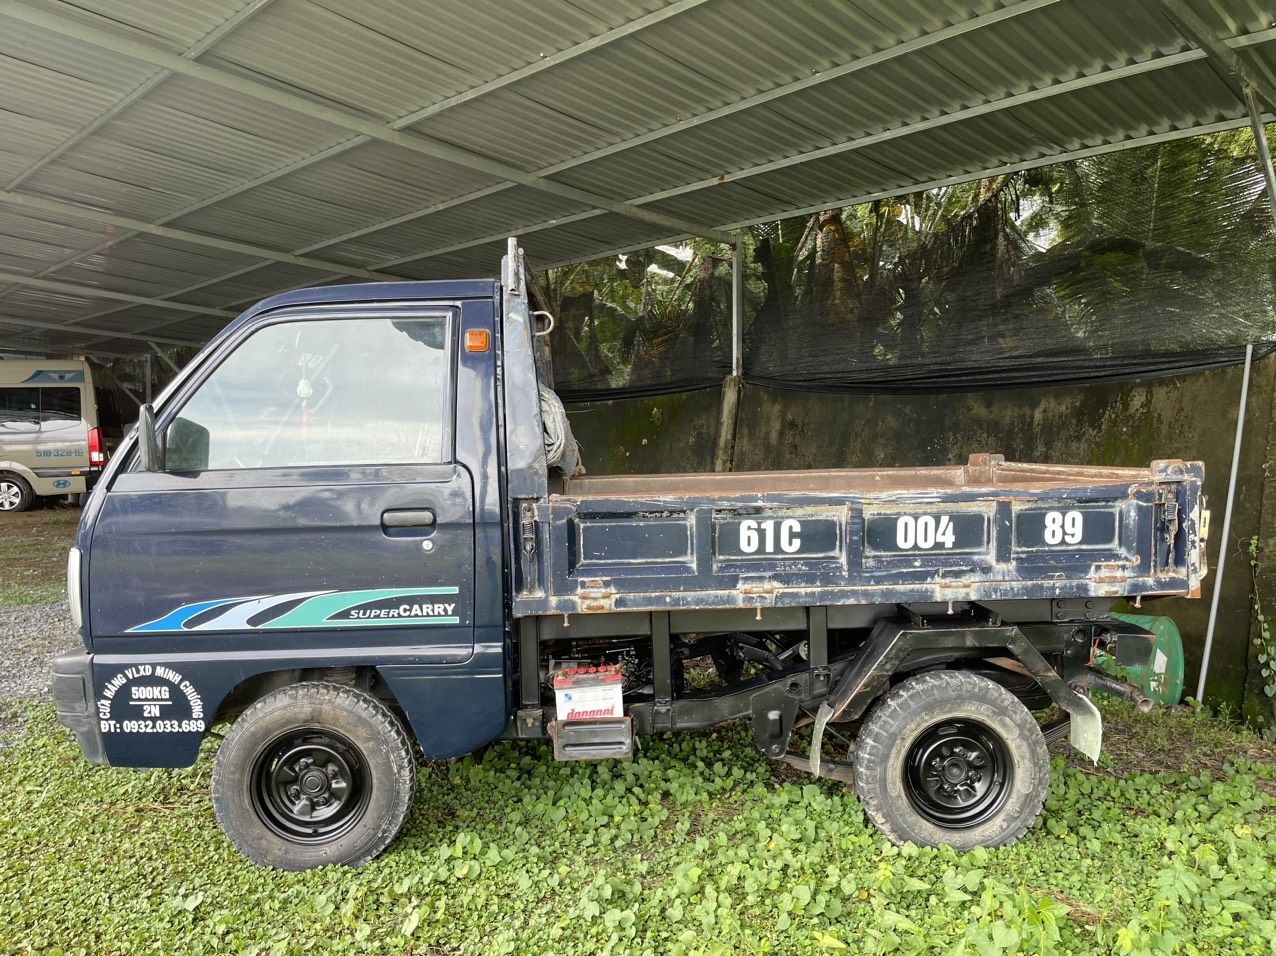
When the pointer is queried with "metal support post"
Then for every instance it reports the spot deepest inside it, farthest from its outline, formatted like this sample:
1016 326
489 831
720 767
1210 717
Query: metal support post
661 673
167 361
530 719
1265 164
1227 526
150 377
737 309
1260 141
817 634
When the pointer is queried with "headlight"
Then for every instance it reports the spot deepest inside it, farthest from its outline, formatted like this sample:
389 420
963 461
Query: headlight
73 587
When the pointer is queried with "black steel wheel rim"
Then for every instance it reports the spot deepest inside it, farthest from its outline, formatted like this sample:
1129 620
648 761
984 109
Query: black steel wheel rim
958 774
310 786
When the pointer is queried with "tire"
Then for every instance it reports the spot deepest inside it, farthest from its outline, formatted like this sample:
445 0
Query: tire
15 494
951 758
311 775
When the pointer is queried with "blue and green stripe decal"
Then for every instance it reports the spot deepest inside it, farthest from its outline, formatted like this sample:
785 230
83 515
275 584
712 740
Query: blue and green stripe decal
375 607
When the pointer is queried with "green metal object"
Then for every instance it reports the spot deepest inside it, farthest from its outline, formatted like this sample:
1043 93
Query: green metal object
1161 677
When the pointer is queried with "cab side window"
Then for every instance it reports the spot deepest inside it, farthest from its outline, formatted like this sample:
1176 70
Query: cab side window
321 392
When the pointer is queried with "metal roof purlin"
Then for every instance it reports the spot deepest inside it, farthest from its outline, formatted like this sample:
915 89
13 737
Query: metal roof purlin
339 117
944 119
337 149
1222 59
880 56
233 22
93 292
848 201
105 334
236 20
60 208
579 49
167 361
876 58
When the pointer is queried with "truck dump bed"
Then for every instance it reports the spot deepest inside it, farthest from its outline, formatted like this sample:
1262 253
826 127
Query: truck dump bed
989 530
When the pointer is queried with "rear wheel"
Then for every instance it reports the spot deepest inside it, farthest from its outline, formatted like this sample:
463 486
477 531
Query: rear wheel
15 494
314 774
951 758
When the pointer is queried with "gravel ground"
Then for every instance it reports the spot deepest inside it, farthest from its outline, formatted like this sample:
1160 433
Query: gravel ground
30 635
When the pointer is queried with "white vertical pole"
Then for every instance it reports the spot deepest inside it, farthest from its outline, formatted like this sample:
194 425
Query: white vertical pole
1227 526
737 309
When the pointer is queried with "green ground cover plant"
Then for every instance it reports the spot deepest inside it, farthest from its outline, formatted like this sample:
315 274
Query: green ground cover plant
697 846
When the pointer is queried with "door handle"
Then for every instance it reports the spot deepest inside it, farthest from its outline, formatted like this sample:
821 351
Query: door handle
423 518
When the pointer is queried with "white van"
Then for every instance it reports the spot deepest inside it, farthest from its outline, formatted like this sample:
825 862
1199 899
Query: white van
50 442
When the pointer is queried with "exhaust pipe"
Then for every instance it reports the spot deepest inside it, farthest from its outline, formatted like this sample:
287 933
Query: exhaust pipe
1092 679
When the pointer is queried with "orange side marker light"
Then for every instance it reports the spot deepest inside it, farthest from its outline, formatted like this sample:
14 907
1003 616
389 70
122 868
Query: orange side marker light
477 340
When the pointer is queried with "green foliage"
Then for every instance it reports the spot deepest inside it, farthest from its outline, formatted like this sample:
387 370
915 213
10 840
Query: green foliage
1163 248
696 846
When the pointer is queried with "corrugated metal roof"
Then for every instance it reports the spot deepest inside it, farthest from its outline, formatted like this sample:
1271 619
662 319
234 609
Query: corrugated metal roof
331 131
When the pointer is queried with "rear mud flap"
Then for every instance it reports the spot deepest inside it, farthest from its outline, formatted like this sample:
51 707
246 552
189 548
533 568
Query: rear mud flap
1086 733
817 738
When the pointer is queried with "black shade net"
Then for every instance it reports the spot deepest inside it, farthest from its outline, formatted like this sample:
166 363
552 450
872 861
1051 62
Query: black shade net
1143 262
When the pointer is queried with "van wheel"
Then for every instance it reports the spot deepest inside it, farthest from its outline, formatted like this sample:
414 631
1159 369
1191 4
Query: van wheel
314 774
951 758
15 494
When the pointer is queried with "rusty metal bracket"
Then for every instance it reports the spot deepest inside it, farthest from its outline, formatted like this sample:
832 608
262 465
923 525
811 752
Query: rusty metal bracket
662 673
829 769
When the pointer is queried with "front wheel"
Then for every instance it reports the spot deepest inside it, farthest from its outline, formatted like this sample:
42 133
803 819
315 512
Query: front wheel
951 758
313 774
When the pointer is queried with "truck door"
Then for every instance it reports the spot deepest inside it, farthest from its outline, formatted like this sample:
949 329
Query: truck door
310 508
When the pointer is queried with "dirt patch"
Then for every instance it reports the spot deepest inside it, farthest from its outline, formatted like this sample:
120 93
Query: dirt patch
33 547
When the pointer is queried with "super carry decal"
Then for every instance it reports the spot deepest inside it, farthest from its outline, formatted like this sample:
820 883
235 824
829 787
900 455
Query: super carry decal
303 609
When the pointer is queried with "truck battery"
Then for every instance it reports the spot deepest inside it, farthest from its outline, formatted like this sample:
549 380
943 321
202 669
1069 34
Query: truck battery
589 693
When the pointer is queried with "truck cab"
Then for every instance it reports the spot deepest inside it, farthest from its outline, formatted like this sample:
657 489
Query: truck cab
354 527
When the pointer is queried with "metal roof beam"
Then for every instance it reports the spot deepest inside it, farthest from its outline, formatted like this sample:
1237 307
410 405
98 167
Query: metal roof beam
1222 58
48 350
593 43
1107 76
884 194
168 361
554 59
873 59
102 333
338 117
940 183
236 20
92 292
935 122
59 208
1007 103
876 58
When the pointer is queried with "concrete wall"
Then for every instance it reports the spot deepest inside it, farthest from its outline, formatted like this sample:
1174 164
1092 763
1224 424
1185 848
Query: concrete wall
1124 423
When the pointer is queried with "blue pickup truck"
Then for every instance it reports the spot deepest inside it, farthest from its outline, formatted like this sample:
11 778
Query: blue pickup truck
354 530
